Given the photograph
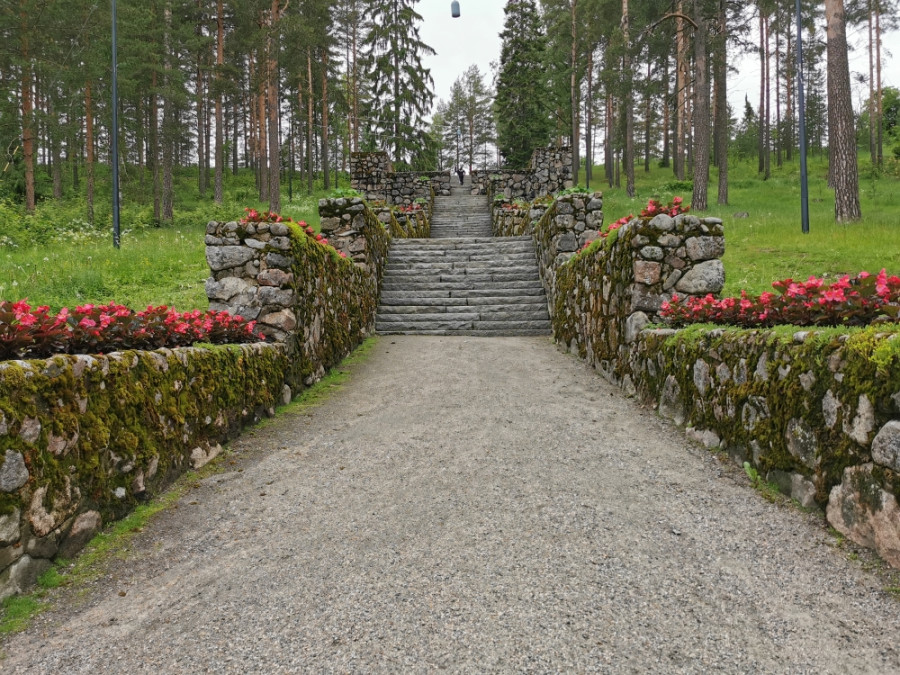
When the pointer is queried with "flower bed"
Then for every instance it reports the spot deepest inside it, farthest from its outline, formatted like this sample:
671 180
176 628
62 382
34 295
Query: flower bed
846 302
27 332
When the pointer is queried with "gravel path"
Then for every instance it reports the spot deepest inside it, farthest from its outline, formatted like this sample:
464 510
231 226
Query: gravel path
474 506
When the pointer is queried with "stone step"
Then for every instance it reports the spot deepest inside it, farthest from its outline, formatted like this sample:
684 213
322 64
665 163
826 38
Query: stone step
412 299
483 333
534 312
412 295
419 278
447 265
409 285
462 256
459 324
474 243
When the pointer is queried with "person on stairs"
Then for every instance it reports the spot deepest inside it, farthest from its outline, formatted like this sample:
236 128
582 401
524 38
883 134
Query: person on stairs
460 173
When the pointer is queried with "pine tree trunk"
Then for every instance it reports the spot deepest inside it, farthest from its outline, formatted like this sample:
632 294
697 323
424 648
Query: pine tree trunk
761 140
667 108
680 91
310 122
790 77
262 138
768 91
879 94
89 150
589 121
153 152
27 117
573 93
721 66
325 164
778 140
648 121
701 113
873 151
274 114
609 146
628 104
841 131
218 188
168 135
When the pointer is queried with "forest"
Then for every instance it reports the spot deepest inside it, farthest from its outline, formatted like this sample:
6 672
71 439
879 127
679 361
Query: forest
288 88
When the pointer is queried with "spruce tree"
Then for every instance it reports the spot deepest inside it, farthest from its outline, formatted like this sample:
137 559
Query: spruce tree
401 93
523 122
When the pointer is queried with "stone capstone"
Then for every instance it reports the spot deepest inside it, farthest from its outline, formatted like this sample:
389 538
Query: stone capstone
886 446
707 277
862 510
13 472
226 257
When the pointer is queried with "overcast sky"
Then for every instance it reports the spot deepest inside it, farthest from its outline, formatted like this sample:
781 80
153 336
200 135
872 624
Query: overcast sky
474 38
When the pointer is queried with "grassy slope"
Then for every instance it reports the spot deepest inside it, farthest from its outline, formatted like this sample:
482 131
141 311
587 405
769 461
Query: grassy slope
769 244
165 265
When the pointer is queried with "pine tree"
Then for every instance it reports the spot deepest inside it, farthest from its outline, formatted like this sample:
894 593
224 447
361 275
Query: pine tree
523 122
402 87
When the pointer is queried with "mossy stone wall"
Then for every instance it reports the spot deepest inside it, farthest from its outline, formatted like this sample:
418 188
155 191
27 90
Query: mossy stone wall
372 173
548 172
83 439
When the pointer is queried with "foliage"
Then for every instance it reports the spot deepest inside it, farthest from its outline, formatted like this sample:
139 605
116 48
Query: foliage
92 329
845 302
401 94
523 122
254 216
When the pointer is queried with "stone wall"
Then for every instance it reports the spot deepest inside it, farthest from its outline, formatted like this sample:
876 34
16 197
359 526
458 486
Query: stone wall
84 439
815 412
549 172
373 174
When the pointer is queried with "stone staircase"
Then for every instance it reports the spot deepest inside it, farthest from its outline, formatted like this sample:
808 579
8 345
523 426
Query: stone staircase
462 281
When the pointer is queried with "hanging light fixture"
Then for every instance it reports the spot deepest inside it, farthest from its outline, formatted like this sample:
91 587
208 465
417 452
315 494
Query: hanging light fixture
454 9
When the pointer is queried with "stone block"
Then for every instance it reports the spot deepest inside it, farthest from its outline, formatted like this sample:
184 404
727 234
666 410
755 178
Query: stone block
227 257
886 446
863 511
863 423
705 248
707 277
275 277
13 472
646 272
663 223
634 325
83 530
801 442
10 527
671 402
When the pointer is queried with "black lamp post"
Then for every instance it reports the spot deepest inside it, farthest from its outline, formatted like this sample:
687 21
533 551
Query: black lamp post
801 105
454 9
115 133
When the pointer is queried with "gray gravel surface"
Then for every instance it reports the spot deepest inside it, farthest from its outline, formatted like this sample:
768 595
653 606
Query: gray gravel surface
474 505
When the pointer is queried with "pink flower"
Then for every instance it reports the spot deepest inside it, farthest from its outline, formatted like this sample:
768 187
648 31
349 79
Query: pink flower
87 323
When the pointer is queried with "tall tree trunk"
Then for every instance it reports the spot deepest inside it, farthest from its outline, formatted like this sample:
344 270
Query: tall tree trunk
354 83
873 151
841 132
89 149
218 189
310 124
722 121
879 94
778 129
701 112
168 132
201 102
680 93
627 104
262 137
648 122
589 121
768 124
789 79
574 90
153 151
325 165
667 112
274 113
27 116
608 148
761 140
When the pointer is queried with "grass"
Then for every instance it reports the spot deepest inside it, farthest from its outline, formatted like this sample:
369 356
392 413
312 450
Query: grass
17 612
769 245
61 261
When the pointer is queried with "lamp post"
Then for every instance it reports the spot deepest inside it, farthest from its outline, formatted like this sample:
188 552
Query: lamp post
454 9
115 133
801 105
